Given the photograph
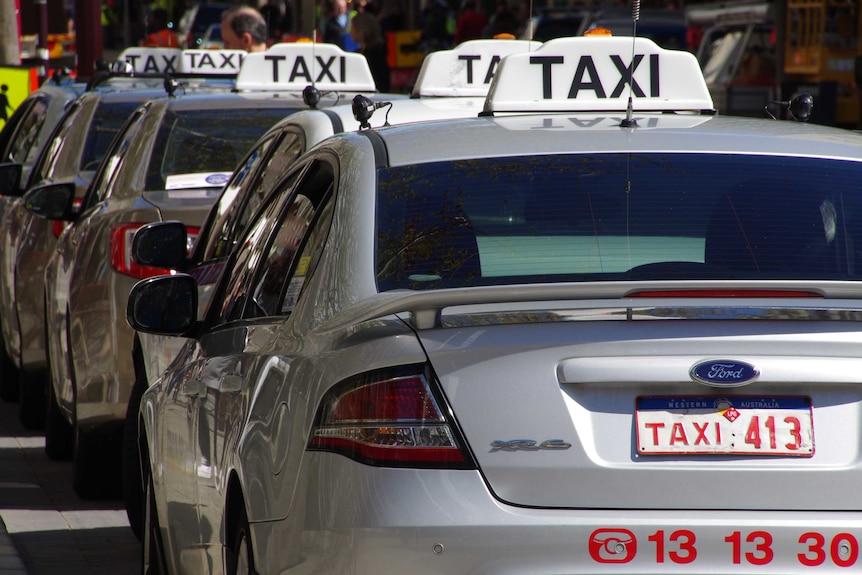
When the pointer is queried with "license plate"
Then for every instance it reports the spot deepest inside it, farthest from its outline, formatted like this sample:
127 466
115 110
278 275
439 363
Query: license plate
743 425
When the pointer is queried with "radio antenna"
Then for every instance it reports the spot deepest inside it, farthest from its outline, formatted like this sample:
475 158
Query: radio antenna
630 122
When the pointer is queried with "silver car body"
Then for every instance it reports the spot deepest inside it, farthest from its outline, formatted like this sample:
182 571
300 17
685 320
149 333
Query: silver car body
154 171
71 152
569 389
21 140
71 155
450 84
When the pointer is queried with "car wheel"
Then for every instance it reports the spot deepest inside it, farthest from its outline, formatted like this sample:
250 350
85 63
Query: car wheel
153 555
96 464
240 559
59 444
133 489
31 399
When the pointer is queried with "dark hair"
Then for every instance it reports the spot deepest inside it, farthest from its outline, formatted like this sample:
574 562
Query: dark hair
242 20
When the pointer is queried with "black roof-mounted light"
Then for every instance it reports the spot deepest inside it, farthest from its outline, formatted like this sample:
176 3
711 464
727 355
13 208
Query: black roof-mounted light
364 107
797 108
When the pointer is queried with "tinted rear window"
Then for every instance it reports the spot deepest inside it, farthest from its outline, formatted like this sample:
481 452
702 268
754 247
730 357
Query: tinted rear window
193 142
617 217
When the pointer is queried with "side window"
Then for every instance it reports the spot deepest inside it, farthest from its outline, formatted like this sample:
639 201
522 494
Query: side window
106 176
238 277
23 147
51 151
279 163
290 249
217 243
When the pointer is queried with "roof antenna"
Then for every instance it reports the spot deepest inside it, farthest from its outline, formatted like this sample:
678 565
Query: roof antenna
630 122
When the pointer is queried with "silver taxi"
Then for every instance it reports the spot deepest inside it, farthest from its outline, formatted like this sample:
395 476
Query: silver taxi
170 161
451 84
21 140
565 338
71 154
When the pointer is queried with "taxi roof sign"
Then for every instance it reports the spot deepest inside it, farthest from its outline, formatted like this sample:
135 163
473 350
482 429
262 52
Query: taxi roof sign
295 65
210 63
466 70
591 74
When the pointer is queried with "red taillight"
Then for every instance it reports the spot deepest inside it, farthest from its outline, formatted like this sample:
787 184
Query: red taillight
388 420
121 251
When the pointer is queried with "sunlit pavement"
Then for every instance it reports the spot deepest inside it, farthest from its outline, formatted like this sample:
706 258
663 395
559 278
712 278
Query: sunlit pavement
47 529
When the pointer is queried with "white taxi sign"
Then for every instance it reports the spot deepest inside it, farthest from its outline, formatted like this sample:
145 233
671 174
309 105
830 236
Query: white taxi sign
152 60
211 62
466 70
593 74
183 62
297 65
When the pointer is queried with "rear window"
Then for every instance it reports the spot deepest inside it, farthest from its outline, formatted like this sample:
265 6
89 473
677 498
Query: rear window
208 141
107 121
616 217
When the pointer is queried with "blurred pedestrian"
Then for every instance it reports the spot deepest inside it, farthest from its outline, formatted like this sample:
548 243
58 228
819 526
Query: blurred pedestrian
279 19
471 22
161 36
335 26
243 28
4 103
365 31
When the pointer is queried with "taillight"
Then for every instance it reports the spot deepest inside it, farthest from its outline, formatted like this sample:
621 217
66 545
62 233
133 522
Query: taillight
121 251
389 419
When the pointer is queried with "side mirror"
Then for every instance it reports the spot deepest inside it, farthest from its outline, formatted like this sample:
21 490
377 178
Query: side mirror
52 202
161 245
10 179
164 305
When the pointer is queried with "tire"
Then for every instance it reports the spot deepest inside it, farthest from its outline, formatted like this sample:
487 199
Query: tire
59 433
31 399
240 559
152 548
133 489
96 467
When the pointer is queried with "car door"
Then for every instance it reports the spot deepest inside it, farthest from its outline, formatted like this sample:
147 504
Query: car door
242 370
89 258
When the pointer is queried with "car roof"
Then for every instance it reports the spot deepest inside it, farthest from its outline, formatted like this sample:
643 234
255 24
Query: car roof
600 133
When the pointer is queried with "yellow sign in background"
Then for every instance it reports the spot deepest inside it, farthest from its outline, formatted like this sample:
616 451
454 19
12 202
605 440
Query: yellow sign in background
16 83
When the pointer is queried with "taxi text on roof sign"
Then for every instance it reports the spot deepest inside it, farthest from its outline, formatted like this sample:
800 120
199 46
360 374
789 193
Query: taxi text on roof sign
184 62
466 70
599 74
296 65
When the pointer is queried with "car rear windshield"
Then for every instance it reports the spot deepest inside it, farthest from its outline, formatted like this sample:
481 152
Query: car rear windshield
206 141
608 217
107 121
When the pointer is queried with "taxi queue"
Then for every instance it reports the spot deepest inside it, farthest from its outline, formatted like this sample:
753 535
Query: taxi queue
366 358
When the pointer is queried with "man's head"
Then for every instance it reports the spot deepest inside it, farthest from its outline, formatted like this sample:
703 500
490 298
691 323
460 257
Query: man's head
243 28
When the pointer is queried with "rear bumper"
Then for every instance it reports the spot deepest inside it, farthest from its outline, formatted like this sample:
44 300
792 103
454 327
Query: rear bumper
390 521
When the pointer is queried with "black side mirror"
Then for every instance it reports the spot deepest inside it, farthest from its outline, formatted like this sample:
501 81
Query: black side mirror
10 179
166 305
161 245
52 202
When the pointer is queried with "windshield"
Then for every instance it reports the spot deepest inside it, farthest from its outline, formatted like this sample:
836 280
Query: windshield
208 141
580 218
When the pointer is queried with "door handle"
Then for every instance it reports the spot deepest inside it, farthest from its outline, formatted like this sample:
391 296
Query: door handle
230 383
193 388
